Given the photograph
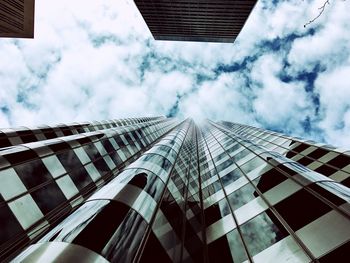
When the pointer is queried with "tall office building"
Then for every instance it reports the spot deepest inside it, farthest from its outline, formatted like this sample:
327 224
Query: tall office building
160 189
195 20
17 18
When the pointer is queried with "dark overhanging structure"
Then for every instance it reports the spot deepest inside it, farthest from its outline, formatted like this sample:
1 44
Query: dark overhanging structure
195 20
146 189
17 18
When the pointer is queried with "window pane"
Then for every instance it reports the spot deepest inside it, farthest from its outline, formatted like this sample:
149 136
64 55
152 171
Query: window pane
261 232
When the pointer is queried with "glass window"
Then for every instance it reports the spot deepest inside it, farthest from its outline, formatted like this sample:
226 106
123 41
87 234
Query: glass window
69 160
224 165
33 173
215 212
67 186
301 203
58 145
340 161
332 191
154 244
16 155
101 166
54 166
262 232
80 177
128 138
83 157
305 161
109 162
240 155
10 185
269 180
318 153
9 224
252 164
108 145
154 186
219 250
119 141
209 190
93 172
115 157
242 196
26 211
231 177
173 212
326 170
337 255
233 148
236 246
224 207
246 158
301 147
48 197
219 157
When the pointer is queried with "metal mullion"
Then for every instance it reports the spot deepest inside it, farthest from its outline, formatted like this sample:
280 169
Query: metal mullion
321 198
204 235
278 216
269 141
231 210
277 135
184 219
140 249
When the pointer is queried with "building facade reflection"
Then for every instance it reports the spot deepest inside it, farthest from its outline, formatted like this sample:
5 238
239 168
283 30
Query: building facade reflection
161 189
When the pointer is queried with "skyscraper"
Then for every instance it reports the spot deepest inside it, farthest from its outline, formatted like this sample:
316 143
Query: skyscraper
203 20
160 189
17 18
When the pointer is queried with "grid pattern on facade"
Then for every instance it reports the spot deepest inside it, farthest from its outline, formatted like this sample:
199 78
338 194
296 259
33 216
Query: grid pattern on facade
324 159
17 18
268 202
205 20
15 136
219 192
43 181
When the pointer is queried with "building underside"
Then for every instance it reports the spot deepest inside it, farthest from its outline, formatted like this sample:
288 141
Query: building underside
195 20
17 18
145 189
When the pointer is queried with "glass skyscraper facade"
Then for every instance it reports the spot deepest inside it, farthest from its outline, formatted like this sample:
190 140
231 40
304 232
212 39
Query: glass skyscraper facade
165 190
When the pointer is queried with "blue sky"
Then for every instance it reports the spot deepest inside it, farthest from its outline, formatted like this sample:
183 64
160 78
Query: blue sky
93 60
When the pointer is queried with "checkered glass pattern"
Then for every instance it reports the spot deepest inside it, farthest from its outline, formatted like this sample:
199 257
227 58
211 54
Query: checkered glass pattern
43 181
174 191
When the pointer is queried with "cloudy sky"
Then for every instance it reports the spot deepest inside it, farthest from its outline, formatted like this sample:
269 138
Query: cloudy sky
96 59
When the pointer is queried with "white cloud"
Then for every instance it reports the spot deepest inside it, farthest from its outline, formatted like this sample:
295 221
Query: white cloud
218 100
329 45
97 60
277 102
334 91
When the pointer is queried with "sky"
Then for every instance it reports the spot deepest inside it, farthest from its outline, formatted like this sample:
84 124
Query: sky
96 60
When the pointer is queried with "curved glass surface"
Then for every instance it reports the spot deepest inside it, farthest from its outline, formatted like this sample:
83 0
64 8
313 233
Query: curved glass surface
119 229
156 163
337 189
164 150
